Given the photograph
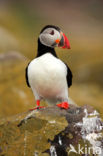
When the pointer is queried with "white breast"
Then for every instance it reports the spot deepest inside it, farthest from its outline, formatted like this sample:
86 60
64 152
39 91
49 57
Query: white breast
47 75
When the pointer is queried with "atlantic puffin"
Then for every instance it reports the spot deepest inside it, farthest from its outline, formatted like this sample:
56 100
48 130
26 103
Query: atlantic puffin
48 76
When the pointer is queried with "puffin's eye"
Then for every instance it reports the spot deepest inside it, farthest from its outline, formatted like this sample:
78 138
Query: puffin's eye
52 32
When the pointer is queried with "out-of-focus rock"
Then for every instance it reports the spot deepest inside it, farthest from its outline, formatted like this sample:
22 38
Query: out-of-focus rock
11 56
52 131
7 40
14 92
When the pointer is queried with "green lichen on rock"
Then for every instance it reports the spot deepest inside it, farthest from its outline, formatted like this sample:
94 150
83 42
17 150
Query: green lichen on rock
29 133
39 132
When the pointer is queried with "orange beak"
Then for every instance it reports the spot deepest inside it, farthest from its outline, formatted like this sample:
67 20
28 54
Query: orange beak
66 42
63 42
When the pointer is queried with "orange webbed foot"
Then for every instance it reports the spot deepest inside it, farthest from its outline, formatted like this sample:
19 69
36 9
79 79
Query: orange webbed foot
38 106
63 105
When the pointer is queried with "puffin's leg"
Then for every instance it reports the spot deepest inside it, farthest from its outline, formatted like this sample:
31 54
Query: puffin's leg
38 99
64 105
38 105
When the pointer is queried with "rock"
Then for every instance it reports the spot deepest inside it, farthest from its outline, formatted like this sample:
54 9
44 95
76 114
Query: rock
52 131
7 40
11 56
14 92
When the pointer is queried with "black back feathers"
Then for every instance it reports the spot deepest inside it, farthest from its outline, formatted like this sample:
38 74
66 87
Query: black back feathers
69 76
26 76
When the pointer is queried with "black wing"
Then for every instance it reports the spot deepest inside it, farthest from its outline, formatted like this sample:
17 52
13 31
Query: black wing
26 76
69 76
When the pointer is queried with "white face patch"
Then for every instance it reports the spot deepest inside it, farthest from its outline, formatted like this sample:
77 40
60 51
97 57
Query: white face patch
48 37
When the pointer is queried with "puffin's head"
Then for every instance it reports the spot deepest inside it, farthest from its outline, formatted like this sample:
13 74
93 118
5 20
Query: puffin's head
52 36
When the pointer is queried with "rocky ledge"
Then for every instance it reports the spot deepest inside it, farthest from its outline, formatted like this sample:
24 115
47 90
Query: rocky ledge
52 131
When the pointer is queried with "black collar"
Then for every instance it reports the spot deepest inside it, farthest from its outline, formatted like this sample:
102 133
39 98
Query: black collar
42 49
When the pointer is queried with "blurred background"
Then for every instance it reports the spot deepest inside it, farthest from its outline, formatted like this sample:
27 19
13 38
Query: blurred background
20 24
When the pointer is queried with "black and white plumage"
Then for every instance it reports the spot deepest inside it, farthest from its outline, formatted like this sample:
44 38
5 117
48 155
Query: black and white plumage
48 76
